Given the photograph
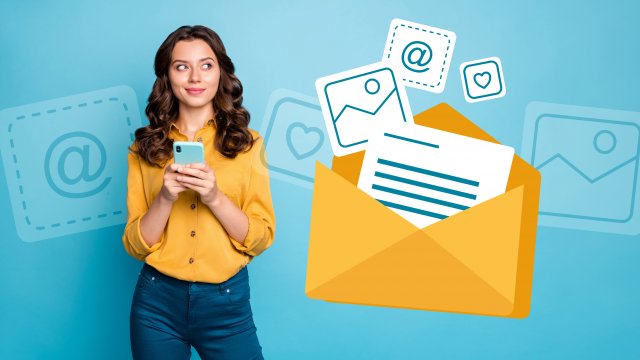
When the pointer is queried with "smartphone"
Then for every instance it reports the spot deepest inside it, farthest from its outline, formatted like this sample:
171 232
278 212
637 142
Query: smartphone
187 152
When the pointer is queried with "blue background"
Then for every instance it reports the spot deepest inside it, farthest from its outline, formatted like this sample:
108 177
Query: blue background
68 298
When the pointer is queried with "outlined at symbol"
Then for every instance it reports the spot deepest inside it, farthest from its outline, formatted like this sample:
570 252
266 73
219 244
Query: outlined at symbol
413 56
58 165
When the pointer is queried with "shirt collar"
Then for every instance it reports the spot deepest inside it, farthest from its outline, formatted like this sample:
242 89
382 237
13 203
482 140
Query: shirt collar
204 134
209 122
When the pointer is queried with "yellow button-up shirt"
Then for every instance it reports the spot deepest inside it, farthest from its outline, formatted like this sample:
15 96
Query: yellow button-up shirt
194 245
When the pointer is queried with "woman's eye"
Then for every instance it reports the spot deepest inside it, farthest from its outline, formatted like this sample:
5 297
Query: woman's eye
181 67
207 66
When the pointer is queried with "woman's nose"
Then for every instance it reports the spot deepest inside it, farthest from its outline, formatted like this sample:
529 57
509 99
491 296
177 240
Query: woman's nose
195 75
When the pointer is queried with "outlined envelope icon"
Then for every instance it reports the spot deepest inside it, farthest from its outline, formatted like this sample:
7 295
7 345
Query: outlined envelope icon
479 261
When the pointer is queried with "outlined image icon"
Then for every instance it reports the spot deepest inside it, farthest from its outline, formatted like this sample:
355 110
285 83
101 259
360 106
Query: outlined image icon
482 79
355 100
64 161
294 137
420 54
589 160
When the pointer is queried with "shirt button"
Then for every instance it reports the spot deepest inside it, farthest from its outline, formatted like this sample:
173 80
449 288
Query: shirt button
193 206
199 139
193 233
190 260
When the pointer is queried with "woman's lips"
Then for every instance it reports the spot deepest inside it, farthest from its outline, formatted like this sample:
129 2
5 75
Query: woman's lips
195 91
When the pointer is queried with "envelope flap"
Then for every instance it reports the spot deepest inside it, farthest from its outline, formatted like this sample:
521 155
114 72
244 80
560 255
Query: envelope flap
444 117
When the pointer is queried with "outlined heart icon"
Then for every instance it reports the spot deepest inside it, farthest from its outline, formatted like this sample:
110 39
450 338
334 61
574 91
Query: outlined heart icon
482 79
303 141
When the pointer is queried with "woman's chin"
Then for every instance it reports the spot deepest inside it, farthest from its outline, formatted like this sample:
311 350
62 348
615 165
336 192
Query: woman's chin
195 103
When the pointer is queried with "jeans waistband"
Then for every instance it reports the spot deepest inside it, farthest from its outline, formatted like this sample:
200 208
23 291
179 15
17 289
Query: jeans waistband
241 276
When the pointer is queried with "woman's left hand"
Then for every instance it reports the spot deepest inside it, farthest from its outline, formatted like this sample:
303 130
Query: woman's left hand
200 178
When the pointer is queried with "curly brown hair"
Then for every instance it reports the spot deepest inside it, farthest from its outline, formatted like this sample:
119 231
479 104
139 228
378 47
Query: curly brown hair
232 119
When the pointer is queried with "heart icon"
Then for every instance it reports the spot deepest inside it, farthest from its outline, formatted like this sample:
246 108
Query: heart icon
303 141
482 79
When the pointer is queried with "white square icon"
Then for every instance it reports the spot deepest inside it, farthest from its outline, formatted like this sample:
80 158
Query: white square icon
482 79
354 100
419 54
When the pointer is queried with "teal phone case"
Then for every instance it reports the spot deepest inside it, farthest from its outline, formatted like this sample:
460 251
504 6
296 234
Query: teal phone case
187 152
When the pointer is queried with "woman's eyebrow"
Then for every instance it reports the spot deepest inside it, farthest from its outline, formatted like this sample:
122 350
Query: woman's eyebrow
185 61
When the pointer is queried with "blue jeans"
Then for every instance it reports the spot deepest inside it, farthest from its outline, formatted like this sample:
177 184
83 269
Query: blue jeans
168 316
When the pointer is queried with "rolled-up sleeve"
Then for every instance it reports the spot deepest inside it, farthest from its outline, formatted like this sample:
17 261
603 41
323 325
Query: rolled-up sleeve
137 206
258 206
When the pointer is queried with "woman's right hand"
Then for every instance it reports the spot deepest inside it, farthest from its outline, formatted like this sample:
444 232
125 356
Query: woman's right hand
171 188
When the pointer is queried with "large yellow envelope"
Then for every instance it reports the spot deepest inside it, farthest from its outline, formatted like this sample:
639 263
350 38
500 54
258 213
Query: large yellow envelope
479 261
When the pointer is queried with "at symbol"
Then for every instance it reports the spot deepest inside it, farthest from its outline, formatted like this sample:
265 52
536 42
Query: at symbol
85 175
416 56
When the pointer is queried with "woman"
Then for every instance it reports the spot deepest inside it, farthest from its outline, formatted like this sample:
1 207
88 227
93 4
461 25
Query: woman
196 226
